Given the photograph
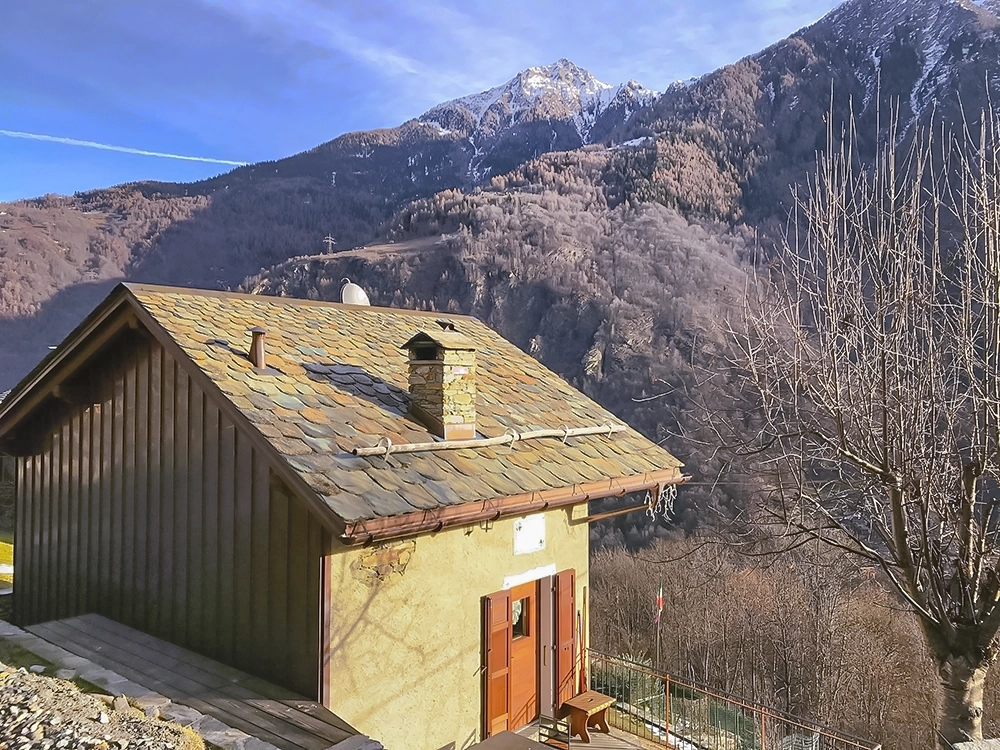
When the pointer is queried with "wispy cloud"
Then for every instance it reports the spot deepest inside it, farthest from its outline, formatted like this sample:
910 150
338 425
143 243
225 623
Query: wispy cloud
420 49
323 27
119 149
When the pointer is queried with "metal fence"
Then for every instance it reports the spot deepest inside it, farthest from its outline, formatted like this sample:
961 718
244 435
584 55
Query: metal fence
658 707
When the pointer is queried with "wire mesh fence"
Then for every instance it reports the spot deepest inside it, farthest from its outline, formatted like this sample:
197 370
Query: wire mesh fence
680 714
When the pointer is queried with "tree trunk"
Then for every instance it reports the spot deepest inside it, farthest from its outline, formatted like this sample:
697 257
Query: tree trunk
962 707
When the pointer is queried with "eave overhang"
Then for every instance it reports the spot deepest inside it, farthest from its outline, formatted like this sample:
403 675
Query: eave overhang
429 521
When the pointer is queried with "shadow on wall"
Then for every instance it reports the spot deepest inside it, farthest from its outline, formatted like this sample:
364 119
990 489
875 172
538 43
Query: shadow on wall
417 663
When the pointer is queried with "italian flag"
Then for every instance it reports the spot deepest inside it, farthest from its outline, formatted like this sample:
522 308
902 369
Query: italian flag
659 604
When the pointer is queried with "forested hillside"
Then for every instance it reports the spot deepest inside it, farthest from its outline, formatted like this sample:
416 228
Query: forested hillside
628 301
60 255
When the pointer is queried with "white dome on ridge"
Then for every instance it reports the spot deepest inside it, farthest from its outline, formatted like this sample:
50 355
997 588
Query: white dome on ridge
352 294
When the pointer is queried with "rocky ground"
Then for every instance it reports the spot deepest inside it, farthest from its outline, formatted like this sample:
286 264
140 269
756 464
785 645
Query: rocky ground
46 712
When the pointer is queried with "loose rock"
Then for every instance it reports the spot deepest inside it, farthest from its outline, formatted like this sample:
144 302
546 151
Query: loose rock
44 713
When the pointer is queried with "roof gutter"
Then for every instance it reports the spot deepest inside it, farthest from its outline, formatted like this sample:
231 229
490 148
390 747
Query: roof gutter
411 524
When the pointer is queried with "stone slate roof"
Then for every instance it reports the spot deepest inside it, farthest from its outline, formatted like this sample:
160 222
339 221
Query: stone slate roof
340 382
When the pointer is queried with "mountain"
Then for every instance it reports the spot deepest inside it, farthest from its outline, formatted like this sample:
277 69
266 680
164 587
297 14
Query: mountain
928 53
555 107
730 144
553 206
59 255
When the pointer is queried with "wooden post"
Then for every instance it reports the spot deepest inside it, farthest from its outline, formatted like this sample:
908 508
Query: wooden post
658 667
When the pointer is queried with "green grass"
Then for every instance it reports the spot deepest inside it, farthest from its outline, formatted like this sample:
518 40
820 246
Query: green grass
6 513
14 656
6 558
17 656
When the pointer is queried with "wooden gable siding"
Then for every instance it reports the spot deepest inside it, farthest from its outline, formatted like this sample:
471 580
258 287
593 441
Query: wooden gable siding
151 508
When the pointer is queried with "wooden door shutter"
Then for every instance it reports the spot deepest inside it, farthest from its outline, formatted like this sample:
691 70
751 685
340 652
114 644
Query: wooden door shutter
565 635
496 663
547 705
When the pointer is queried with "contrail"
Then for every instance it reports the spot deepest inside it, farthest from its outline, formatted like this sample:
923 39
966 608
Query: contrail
121 149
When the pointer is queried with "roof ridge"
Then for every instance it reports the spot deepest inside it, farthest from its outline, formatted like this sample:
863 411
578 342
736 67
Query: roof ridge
140 288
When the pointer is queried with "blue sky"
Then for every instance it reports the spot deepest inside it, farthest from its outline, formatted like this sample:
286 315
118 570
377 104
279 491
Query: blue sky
251 80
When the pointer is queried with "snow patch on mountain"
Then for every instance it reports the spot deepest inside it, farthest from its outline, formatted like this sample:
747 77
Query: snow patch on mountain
557 91
929 27
634 143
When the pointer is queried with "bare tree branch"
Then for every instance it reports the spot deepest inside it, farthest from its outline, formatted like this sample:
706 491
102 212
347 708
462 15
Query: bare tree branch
868 358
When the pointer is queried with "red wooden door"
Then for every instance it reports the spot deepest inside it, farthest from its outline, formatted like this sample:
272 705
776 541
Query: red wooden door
524 655
565 636
496 663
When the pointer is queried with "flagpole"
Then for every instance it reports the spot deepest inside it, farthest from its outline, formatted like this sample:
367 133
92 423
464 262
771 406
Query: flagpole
657 643
659 617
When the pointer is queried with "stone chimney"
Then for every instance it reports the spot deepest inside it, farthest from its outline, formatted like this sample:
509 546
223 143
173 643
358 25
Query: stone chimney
442 378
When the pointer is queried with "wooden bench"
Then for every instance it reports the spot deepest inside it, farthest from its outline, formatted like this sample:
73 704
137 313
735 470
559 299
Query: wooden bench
588 710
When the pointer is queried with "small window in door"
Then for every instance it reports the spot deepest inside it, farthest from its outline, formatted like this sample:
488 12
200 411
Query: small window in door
519 618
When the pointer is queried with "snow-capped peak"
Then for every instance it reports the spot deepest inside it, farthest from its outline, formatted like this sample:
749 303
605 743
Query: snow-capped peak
938 35
877 19
560 90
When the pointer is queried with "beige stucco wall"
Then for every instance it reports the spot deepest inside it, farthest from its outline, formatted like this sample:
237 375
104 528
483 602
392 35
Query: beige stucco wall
406 642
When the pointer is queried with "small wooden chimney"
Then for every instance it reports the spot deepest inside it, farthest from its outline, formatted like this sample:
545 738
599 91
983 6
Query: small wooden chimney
442 379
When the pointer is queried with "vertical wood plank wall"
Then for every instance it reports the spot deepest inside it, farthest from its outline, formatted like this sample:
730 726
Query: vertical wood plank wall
152 508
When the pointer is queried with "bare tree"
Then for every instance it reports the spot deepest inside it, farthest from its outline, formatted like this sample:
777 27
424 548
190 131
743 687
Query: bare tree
871 360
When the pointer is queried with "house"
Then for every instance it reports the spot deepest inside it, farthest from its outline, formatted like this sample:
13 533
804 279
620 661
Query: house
383 510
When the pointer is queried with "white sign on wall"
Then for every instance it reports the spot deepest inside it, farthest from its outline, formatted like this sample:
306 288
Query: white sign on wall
529 534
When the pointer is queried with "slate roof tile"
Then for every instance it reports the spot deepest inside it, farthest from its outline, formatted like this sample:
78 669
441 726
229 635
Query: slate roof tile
339 381
432 470
417 496
386 502
447 493
269 430
502 484
290 446
312 429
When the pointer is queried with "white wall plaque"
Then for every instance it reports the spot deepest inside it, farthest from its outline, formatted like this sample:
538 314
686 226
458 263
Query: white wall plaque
529 534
